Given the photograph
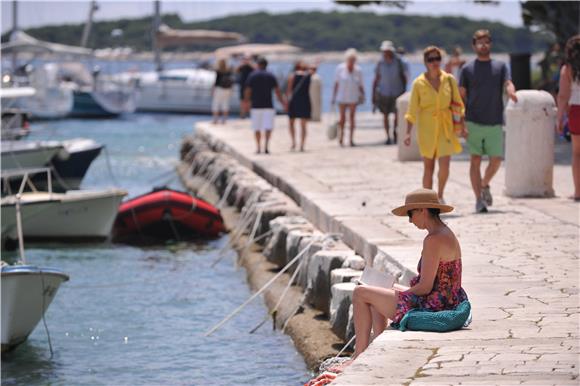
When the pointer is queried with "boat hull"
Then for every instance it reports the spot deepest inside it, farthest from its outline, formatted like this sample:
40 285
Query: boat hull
75 215
163 215
106 104
27 291
19 155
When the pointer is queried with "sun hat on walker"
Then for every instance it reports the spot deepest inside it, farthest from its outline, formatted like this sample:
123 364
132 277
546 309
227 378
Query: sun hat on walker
421 198
387 45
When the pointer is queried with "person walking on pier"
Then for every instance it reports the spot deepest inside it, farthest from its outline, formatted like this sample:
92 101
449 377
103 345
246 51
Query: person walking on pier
434 101
242 73
299 107
258 94
481 84
348 92
221 92
569 103
390 82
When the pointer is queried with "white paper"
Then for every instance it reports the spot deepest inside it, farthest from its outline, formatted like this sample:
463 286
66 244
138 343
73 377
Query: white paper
372 276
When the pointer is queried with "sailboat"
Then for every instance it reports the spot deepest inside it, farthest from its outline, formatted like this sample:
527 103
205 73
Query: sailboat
186 90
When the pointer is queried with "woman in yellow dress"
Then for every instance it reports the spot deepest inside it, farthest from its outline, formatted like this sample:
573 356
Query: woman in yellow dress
433 96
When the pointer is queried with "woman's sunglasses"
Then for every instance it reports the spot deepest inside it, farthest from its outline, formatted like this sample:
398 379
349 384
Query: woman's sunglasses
433 59
410 213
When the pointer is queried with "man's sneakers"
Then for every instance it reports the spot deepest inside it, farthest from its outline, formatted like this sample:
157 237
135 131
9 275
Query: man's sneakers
480 206
486 195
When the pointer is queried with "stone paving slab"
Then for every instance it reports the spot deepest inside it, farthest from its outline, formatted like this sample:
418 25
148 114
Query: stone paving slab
520 261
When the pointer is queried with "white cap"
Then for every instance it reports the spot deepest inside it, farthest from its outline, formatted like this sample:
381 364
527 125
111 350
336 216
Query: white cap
387 45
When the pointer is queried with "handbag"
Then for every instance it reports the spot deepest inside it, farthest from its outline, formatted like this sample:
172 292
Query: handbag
456 114
332 129
361 98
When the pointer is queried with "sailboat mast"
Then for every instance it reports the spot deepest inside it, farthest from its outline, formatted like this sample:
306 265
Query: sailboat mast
14 29
154 30
87 30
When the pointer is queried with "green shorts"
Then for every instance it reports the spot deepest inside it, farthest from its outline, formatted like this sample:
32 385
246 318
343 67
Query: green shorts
485 139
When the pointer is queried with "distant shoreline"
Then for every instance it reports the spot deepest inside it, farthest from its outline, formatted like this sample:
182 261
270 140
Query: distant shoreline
311 57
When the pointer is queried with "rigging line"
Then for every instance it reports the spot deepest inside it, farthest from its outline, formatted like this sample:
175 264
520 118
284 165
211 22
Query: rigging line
43 318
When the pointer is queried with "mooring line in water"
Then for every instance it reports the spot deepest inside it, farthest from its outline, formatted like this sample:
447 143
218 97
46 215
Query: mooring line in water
227 192
211 180
239 231
259 292
109 167
251 237
274 312
43 319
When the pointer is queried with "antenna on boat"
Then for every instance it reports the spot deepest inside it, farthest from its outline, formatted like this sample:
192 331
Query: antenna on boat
154 38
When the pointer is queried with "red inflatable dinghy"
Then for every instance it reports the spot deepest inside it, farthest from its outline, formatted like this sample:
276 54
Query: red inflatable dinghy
165 214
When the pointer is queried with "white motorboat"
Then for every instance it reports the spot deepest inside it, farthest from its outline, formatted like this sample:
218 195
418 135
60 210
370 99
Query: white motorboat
178 90
27 291
24 154
69 165
77 215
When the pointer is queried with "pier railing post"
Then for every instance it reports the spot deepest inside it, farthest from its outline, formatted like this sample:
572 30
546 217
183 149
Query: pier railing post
406 153
529 145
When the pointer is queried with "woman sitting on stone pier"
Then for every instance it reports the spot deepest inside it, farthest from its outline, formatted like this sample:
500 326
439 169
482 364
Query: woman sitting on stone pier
437 287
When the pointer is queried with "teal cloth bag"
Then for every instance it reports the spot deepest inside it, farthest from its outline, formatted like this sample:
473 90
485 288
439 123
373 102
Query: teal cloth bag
438 321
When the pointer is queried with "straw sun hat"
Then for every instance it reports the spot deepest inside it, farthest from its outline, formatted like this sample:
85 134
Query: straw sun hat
421 198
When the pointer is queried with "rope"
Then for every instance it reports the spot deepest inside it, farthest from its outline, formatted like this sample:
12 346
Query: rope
43 319
264 287
274 312
109 167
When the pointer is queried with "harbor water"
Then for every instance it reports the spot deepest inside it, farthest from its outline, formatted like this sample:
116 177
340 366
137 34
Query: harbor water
136 316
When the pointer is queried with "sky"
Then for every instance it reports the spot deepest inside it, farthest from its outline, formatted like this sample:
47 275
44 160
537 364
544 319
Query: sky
46 12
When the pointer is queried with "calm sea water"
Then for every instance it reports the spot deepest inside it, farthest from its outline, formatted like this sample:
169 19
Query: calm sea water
132 316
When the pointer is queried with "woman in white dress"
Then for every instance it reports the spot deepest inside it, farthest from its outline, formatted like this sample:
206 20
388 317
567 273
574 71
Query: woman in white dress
348 92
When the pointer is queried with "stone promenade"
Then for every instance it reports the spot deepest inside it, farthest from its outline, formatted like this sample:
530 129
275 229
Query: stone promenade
520 260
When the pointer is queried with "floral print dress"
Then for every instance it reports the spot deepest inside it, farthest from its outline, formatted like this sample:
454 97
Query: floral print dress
445 295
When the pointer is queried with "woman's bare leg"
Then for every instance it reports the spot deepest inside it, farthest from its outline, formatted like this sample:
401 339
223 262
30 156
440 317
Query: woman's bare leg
379 323
384 302
428 169
341 122
576 165
303 122
351 118
443 175
292 133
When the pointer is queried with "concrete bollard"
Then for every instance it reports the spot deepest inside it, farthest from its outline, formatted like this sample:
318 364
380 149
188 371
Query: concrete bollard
275 250
344 275
406 153
355 262
302 278
529 146
340 302
320 266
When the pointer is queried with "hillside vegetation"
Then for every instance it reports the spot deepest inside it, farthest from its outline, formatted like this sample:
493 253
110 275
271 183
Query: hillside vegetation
313 31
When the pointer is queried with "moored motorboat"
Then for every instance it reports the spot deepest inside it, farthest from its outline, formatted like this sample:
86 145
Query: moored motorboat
166 214
77 215
26 154
69 165
27 291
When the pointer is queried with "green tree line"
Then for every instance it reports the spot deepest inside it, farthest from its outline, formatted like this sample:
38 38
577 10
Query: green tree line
312 31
